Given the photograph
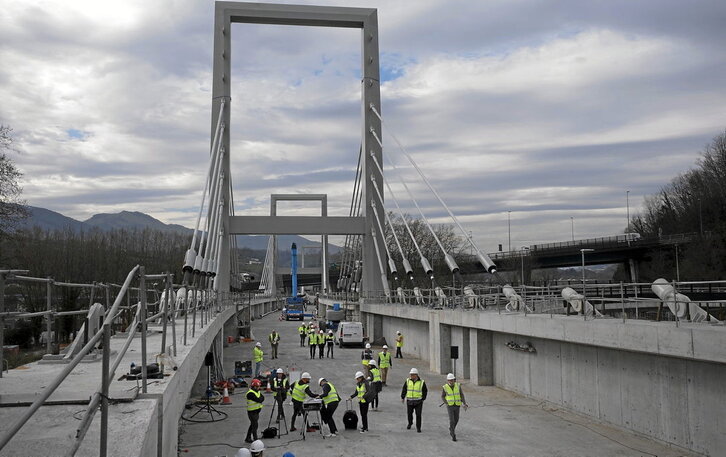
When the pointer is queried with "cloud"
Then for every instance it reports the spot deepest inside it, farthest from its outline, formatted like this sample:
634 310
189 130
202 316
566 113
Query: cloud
550 111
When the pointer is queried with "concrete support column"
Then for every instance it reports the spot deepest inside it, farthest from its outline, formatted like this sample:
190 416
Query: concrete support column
377 326
632 268
481 357
464 354
434 337
445 365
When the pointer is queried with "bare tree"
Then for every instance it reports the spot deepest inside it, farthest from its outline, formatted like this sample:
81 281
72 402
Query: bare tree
12 208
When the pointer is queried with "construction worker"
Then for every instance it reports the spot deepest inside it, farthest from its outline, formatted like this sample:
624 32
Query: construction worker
257 357
299 390
376 383
312 341
280 386
453 396
330 343
364 393
303 332
257 448
254 406
365 358
399 344
321 344
414 394
331 399
274 342
384 363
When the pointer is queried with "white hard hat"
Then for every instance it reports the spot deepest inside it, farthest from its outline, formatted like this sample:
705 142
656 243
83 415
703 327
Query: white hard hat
358 374
320 381
368 345
330 331
258 344
321 331
280 371
257 446
305 375
373 362
399 332
413 371
450 376
244 452
385 346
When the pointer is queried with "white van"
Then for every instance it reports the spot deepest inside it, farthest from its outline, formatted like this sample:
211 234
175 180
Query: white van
350 333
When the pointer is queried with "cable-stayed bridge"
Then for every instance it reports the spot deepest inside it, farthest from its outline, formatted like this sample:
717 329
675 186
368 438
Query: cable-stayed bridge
657 377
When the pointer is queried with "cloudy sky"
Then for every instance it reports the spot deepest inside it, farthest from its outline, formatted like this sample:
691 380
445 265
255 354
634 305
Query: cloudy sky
550 110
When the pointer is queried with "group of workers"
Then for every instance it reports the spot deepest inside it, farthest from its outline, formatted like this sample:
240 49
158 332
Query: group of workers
369 383
317 339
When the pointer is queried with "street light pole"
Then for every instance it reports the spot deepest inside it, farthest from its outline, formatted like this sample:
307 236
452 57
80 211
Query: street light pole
678 270
584 300
572 223
627 216
509 229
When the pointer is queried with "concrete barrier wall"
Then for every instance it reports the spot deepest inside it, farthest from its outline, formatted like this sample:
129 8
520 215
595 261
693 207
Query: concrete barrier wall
674 400
636 386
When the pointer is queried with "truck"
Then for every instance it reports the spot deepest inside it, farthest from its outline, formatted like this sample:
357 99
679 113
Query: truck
295 305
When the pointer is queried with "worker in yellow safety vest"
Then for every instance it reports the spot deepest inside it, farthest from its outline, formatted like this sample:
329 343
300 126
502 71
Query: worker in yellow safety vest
376 383
254 406
453 396
300 390
257 357
274 338
312 341
365 394
365 358
384 363
331 399
280 386
303 331
414 394
399 344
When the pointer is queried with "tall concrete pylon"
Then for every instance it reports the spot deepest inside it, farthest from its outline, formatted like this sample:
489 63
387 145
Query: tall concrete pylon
366 19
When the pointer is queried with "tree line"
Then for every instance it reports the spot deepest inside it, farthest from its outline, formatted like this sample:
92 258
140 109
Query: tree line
693 202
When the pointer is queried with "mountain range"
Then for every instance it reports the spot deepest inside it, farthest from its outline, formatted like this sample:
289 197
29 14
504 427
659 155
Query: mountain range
46 219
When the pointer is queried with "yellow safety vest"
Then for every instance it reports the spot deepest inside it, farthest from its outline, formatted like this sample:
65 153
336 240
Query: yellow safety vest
277 337
329 338
399 341
414 390
376 374
361 389
257 354
332 395
253 405
277 383
385 359
298 392
321 338
365 360
312 339
453 395
302 330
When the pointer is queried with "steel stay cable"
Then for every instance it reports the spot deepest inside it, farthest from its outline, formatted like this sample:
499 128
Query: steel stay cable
410 194
388 219
215 153
451 214
395 200
349 239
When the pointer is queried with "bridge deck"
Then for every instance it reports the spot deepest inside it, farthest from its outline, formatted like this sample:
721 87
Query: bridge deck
499 422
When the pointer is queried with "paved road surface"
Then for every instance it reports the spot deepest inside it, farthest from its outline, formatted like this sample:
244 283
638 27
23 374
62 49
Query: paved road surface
499 423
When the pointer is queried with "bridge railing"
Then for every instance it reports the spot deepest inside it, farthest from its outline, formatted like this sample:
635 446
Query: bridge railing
204 302
602 301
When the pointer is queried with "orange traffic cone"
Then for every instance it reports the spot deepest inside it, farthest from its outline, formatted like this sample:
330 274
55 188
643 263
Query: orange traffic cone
225 397
268 389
